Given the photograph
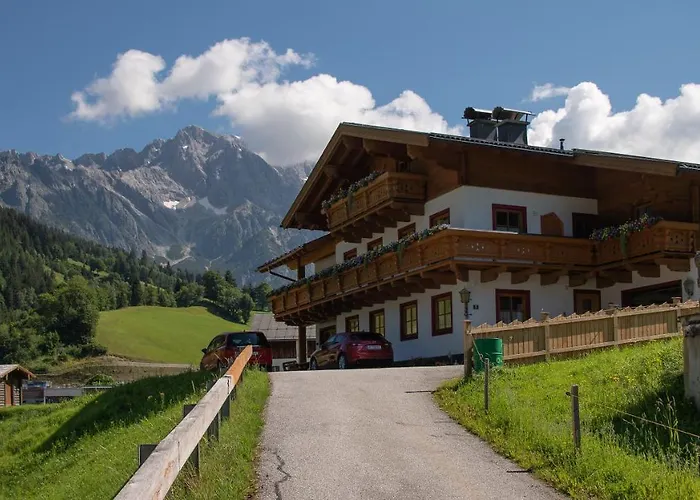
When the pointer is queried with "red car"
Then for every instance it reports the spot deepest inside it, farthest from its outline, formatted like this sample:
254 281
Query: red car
348 349
225 347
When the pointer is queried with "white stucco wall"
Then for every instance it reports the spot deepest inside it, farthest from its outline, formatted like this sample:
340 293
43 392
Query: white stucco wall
471 208
555 299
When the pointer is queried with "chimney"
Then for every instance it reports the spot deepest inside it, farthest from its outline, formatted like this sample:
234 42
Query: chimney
512 124
481 125
561 143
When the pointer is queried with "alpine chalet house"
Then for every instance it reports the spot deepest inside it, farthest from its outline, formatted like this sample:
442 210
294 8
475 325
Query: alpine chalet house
426 229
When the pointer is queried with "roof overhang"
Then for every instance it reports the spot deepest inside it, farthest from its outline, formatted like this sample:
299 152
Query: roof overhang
303 255
342 139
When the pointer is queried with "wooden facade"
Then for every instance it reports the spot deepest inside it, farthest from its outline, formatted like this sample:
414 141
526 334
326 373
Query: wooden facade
416 168
11 378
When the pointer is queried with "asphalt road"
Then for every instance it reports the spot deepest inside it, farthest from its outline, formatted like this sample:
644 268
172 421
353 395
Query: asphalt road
376 434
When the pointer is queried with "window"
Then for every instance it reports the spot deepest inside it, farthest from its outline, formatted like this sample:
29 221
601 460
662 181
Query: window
352 324
371 245
350 254
509 218
442 314
407 230
217 342
409 320
642 209
376 322
512 305
442 217
583 224
326 333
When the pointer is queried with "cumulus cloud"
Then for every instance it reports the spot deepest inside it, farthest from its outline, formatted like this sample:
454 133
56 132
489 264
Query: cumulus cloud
285 121
653 127
547 91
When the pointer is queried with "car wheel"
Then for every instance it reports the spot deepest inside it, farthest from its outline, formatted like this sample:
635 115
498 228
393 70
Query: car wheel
313 365
342 362
268 368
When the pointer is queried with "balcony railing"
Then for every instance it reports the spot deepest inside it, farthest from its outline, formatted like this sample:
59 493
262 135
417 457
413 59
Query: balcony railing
664 236
385 189
488 249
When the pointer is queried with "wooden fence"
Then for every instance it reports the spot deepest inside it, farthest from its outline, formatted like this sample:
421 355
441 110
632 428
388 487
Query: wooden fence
533 340
156 475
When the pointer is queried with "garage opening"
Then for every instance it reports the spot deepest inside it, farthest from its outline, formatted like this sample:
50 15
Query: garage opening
654 294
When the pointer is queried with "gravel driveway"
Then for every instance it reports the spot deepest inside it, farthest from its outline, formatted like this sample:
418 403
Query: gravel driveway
376 434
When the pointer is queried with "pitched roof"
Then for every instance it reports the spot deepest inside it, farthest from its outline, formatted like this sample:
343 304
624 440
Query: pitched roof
5 369
274 330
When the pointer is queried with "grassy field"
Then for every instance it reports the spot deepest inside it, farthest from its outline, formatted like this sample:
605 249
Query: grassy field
86 448
160 334
529 420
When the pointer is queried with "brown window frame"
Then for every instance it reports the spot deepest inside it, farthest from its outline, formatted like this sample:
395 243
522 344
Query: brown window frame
402 309
350 254
436 216
372 316
525 294
406 230
376 243
352 318
435 300
510 208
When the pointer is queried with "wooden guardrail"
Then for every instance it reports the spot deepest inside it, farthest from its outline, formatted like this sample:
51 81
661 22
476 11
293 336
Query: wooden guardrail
158 472
532 340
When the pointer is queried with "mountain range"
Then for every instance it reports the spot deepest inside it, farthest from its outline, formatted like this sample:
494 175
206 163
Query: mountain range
198 200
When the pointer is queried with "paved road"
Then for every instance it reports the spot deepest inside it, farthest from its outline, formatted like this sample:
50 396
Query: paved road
376 434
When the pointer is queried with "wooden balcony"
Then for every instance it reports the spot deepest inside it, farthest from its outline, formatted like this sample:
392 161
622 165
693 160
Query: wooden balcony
389 199
447 256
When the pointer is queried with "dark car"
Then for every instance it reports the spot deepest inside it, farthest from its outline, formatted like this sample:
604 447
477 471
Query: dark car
225 347
348 349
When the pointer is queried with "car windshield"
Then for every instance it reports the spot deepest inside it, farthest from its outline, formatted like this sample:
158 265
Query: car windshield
363 336
248 338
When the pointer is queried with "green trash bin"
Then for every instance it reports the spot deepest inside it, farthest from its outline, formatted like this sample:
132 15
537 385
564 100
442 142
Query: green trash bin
488 348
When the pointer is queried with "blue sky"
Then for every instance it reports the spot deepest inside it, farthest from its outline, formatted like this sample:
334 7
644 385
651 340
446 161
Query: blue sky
450 53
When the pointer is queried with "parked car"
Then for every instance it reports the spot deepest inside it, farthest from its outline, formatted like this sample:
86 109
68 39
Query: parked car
348 349
225 347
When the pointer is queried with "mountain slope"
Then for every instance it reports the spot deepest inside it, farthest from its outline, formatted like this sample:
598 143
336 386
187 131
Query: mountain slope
198 200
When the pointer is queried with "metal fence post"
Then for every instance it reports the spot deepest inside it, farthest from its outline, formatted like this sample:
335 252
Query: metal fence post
576 417
145 451
194 457
468 349
487 372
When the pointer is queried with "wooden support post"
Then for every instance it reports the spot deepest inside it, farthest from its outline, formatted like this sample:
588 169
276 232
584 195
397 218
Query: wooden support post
468 349
487 372
213 429
576 417
616 328
225 411
145 451
544 318
301 337
193 460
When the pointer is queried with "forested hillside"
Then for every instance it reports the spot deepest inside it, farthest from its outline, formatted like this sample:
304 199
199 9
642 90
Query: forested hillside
53 286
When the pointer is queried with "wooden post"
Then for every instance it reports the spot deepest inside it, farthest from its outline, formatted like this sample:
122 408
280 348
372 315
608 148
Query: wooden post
576 417
487 372
194 457
544 318
616 328
145 451
213 429
301 336
468 349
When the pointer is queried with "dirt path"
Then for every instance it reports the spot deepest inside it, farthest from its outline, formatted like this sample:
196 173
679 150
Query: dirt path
376 434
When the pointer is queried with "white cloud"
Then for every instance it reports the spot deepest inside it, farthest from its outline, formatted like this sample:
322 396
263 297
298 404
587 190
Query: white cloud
665 129
547 91
287 122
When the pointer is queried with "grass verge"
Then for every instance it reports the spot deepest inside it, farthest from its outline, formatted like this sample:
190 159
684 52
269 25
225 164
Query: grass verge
529 420
161 334
228 466
87 447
